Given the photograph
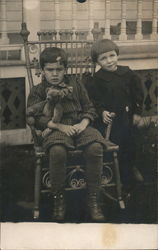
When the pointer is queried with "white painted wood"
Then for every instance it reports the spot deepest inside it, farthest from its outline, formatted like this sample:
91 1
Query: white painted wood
31 11
4 37
138 35
107 19
57 17
74 23
91 19
123 35
154 35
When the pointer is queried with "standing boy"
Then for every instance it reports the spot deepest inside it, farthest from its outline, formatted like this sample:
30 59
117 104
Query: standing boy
117 89
73 131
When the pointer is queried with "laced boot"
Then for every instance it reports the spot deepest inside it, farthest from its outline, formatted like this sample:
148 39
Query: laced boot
58 207
94 208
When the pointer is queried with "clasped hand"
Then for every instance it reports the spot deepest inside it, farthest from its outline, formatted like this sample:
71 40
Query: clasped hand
72 130
106 116
69 129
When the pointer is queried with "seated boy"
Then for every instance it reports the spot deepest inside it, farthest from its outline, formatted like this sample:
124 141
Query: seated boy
73 131
117 89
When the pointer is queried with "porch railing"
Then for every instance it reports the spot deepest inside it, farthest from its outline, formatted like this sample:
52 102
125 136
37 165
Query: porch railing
126 28
78 52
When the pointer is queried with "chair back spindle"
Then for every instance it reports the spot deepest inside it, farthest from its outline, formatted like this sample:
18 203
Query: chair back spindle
78 51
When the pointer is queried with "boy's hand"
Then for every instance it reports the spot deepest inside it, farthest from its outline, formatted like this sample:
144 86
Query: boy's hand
106 115
79 127
136 119
67 129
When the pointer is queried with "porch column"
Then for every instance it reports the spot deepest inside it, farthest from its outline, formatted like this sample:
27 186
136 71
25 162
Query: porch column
123 35
91 19
57 17
4 37
74 14
107 19
138 35
154 34
31 15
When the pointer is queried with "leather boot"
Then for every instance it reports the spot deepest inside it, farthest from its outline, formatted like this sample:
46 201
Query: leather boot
58 208
94 208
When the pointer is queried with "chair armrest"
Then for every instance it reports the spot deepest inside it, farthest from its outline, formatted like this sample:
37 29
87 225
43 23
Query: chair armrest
110 146
36 134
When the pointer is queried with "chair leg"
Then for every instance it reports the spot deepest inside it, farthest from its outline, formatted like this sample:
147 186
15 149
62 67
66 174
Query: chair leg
37 188
118 181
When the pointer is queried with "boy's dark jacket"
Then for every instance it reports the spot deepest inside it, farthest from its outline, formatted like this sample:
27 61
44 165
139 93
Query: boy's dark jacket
118 91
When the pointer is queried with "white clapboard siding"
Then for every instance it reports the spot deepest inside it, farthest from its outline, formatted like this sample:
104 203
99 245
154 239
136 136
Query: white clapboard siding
14 15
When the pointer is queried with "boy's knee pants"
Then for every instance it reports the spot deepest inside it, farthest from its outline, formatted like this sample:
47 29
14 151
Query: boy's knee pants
93 155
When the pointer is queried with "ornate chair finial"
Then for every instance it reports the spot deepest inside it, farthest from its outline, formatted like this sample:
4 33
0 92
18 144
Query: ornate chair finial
24 32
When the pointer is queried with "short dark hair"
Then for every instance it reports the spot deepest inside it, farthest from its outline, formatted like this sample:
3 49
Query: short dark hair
52 55
103 46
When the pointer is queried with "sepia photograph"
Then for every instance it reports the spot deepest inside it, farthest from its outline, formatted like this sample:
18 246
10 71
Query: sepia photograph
79 122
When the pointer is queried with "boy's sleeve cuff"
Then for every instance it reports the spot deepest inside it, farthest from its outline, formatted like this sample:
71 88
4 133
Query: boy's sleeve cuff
88 116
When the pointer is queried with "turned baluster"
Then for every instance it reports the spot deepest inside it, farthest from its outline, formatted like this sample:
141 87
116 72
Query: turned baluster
107 19
154 35
4 36
123 35
57 17
74 13
91 19
138 35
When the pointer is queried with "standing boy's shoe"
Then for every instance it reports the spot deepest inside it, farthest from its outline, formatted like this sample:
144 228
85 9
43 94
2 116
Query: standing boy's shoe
94 208
137 175
58 208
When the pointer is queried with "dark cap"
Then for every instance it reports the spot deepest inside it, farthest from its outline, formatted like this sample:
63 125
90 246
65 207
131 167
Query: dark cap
103 46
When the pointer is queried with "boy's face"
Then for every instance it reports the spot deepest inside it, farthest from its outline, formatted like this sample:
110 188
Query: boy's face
108 60
54 73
